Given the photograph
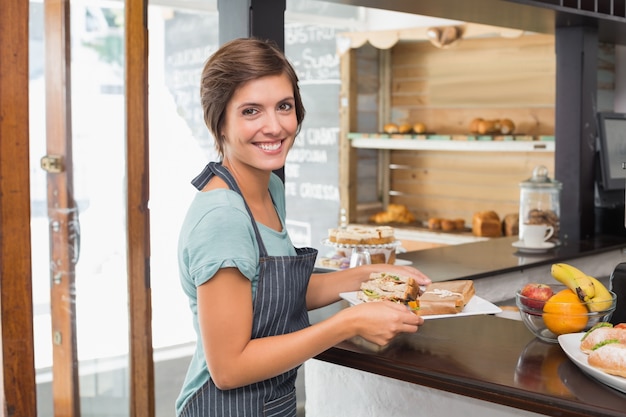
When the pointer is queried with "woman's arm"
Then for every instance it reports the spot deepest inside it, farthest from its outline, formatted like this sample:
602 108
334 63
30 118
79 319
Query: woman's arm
234 359
324 288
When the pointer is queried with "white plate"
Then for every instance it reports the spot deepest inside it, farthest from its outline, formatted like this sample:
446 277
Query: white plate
320 265
570 343
475 306
521 246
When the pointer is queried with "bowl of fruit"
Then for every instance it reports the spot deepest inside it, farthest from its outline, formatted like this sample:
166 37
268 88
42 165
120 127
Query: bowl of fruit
574 303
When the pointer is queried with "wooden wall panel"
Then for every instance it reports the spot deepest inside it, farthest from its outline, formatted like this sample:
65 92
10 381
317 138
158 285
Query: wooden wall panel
452 184
489 78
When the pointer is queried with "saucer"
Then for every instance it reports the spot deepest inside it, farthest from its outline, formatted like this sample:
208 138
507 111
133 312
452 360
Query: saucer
521 246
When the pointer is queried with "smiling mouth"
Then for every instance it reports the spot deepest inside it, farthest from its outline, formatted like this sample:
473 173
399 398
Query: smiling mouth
273 146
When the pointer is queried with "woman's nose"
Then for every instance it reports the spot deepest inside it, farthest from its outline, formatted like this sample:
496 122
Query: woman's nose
272 124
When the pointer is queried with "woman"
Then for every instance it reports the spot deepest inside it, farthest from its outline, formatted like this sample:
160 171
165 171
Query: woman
249 288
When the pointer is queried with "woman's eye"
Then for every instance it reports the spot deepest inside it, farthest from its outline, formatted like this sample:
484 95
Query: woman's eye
285 106
249 112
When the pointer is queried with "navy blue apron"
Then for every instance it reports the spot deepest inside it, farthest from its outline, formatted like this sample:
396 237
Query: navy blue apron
279 307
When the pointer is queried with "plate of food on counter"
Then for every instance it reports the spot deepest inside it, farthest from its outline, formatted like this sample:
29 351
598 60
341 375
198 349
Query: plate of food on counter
600 353
438 300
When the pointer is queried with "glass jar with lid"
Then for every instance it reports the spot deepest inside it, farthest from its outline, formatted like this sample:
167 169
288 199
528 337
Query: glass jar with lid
540 202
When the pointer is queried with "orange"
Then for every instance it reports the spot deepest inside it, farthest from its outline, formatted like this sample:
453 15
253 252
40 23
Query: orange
564 313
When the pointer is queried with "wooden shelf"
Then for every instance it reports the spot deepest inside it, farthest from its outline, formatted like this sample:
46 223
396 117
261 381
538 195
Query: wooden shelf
453 145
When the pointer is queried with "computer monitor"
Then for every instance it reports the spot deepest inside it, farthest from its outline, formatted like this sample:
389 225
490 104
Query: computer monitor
612 150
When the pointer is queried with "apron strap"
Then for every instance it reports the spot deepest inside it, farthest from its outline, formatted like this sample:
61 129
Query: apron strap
216 168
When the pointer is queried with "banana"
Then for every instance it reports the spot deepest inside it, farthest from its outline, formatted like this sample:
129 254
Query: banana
602 300
575 280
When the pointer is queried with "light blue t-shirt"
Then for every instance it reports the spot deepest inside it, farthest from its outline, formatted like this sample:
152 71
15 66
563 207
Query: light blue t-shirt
217 233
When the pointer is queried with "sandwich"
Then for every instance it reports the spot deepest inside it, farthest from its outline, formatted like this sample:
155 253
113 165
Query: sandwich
446 297
605 345
601 334
609 358
385 286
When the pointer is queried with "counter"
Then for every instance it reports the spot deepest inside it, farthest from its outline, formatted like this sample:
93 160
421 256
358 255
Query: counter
474 365
497 256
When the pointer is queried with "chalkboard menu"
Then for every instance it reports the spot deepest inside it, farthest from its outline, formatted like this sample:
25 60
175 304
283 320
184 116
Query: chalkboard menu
312 168
189 41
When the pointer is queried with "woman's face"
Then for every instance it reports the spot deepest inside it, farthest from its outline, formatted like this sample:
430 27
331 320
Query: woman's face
260 123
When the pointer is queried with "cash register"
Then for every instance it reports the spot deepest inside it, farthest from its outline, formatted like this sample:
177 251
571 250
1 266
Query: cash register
610 200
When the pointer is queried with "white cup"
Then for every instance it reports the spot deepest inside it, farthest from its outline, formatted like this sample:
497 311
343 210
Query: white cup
536 234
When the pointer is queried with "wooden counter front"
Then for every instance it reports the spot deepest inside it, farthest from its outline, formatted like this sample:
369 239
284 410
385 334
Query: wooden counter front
488 358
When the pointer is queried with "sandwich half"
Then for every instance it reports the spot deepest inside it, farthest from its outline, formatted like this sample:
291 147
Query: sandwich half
384 286
446 297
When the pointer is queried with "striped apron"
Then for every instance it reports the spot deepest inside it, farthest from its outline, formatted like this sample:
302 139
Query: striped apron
279 307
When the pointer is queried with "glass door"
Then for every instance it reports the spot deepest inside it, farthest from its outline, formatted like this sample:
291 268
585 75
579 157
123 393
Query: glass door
80 281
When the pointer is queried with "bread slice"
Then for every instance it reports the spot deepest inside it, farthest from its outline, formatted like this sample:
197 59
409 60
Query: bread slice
610 358
601 335
391 287
447 297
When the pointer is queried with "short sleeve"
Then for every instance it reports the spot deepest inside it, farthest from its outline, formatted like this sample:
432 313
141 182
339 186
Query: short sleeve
223 237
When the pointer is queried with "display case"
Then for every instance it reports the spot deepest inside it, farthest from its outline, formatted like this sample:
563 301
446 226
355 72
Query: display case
446 171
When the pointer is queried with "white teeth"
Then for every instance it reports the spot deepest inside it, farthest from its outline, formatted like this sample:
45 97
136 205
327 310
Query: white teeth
269 146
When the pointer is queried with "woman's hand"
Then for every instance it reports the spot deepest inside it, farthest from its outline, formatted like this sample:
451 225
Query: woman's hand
379 322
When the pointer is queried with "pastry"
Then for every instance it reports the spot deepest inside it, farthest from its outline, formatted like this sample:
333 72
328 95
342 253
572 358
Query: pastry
510 224
362 235
507 127
391 128
609 358
486 224
448 225
474 125
419 128
434 223
405 128
395 213
601 335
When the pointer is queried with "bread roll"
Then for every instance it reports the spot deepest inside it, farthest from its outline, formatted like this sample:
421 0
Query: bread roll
448 225
486 224
507 126
391 128
474 124
459 224
610 358
434 223
510 224
381 217
600 335
405 128
419 128
395 213
486 127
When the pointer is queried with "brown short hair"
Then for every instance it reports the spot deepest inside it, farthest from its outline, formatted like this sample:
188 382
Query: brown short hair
233 64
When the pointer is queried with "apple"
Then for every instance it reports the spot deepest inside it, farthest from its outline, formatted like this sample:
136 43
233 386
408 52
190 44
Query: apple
536 295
